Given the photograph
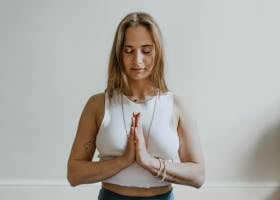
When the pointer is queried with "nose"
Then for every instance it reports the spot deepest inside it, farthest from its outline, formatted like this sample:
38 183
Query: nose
139 57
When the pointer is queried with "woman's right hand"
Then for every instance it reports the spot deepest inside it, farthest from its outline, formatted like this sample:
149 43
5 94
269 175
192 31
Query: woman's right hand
129 153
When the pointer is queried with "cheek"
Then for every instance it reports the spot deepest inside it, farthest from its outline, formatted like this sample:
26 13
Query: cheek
126 60
149 61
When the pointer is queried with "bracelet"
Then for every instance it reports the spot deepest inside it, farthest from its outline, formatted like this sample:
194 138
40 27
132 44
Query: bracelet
160 167
164 172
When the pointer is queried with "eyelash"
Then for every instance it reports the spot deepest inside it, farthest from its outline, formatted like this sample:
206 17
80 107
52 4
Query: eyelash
132 51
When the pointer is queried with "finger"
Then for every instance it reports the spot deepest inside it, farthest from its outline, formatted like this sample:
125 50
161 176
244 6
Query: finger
137 116
136 134
133 120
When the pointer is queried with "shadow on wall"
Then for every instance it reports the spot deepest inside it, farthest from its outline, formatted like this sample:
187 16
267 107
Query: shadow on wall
264 164
274 196
272 141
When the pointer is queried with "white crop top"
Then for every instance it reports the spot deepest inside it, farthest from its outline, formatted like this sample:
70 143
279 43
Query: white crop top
163 139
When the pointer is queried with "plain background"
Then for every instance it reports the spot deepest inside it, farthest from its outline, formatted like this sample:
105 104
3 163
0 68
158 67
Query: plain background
222 58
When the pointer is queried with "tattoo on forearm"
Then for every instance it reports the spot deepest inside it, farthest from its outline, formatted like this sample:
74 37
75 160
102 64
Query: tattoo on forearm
88 146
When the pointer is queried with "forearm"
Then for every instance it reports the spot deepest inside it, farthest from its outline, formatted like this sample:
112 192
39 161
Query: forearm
83 172
187 173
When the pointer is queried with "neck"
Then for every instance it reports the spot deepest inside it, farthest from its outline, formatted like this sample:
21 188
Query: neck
140 90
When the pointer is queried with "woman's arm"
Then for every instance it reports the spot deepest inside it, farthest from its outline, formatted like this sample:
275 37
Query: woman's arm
81 169
191 169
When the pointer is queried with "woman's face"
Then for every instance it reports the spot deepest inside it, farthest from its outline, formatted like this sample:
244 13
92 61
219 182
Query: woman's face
138 53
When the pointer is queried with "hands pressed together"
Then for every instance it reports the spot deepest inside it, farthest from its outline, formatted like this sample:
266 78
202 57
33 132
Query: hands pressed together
136 150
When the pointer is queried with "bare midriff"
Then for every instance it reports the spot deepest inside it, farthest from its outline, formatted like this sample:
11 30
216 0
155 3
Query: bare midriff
136 191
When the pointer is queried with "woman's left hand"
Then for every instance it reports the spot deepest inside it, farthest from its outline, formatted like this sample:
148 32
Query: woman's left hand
142 156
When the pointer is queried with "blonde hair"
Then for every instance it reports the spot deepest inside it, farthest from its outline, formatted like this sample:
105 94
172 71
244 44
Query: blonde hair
116 76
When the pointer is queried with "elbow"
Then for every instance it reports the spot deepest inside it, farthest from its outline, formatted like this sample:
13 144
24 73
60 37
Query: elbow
71 180
200 178
199 182
72 176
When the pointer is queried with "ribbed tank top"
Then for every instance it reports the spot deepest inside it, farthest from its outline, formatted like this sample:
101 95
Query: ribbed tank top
163 139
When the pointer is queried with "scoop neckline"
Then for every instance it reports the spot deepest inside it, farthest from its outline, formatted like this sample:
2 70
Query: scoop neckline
142 102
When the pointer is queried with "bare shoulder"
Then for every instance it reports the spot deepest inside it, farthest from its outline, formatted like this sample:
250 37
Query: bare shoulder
95 105
97 99
180 105
185 114
177 100
95 102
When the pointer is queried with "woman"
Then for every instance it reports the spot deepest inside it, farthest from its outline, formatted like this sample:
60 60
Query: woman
138 127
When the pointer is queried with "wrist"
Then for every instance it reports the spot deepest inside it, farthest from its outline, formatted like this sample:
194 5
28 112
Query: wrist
123 162
151 163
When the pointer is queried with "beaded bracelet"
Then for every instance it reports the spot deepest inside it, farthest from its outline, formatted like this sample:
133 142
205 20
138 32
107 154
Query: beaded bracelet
160 167
164 172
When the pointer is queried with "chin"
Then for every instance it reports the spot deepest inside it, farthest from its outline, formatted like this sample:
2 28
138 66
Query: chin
138 78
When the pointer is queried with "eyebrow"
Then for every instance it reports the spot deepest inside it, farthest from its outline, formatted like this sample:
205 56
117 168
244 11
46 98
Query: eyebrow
145 45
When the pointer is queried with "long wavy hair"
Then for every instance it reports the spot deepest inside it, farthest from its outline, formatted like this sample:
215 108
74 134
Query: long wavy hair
117 80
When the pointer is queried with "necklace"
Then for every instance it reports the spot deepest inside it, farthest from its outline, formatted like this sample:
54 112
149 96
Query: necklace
148 134
138 100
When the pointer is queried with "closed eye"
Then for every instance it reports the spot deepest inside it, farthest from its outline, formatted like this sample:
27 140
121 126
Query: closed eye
147 49
128 50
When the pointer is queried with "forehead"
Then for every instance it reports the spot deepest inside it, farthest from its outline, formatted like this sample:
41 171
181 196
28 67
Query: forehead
138 35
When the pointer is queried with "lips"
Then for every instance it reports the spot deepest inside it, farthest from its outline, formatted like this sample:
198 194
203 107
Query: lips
137 68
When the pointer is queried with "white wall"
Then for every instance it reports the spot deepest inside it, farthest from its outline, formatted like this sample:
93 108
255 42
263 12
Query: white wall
222 56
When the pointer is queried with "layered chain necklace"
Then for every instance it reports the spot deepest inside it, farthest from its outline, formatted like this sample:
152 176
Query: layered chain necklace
150 125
